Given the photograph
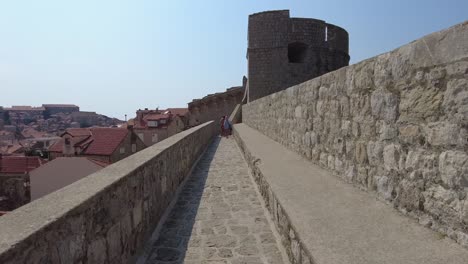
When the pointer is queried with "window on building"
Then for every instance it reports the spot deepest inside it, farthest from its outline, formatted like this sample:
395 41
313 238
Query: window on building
154 138
122 150
133 148
152 123
67 141
297 52
162 121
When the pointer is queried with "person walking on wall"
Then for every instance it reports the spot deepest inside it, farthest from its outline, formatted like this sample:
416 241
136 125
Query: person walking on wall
221 123
227 126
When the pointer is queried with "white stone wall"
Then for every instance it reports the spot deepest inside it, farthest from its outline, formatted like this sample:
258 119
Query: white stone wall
395 124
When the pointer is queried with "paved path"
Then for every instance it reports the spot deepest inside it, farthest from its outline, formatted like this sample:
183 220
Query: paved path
218 217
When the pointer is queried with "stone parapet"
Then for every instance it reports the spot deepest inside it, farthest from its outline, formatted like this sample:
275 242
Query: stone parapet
321 219
395 124
107 216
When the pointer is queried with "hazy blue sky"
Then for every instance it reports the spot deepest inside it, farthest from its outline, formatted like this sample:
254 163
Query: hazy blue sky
116 56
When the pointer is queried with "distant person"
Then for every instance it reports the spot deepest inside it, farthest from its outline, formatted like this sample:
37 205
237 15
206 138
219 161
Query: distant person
221 124
227 126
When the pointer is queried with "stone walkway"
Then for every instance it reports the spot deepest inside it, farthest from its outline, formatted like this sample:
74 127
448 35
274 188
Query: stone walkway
218 217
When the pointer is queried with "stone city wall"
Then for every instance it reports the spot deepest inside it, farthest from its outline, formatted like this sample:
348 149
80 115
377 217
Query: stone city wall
396 124
214 106
107 216
273 39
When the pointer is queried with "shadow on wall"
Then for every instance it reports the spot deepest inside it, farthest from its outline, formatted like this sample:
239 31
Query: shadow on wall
173 240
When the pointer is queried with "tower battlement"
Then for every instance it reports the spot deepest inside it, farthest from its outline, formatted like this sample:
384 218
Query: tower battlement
284 51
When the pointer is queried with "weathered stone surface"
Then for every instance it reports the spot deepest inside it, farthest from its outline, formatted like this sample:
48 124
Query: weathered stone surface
420 102
81 224
384 105
456 100
442 133
453 166
341 221
392 123
233 229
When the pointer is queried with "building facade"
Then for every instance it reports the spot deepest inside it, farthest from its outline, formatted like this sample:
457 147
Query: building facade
214 106
152 126
103 144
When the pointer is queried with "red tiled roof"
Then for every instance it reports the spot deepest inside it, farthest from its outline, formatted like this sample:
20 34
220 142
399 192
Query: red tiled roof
76 132
106 140
156 116
15 165
93 141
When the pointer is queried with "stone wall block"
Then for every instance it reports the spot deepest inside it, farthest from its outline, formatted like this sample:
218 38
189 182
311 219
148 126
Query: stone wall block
410 134
447 45
440 202
345 127
344 107
375 152
453 167
362 78
114 244
384 188
420 102
455 102
361 153
96 252
442 133
409 195
457 69
387 131
384 105
391 156
382 72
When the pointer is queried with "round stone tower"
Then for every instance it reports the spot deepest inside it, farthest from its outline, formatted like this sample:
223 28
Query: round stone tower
284 51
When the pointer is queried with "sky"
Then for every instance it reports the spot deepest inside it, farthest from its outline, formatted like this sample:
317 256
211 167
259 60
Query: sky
116 56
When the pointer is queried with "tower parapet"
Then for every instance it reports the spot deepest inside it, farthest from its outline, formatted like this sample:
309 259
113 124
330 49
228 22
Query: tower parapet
284 51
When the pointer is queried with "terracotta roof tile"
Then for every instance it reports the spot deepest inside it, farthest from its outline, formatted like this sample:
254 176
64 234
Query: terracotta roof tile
16 165
156 116
106 140
93 141
76 132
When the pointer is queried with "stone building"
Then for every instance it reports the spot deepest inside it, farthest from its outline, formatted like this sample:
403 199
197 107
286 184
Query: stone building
99 143
152 126
214 106
52 109
85 119
23 115
284 51
14 180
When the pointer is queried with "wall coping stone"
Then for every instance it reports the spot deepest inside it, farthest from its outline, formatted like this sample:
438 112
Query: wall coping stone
25 222
322 219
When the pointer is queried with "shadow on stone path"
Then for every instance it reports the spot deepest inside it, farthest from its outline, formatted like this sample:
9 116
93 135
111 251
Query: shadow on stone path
218 217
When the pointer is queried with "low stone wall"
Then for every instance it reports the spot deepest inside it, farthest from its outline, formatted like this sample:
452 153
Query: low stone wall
107 216
290 239
236 115
396 124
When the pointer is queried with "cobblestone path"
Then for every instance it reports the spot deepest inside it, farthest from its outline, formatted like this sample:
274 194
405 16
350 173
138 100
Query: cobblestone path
218 217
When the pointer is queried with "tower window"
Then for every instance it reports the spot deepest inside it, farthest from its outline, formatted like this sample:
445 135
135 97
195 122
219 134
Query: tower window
297 52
